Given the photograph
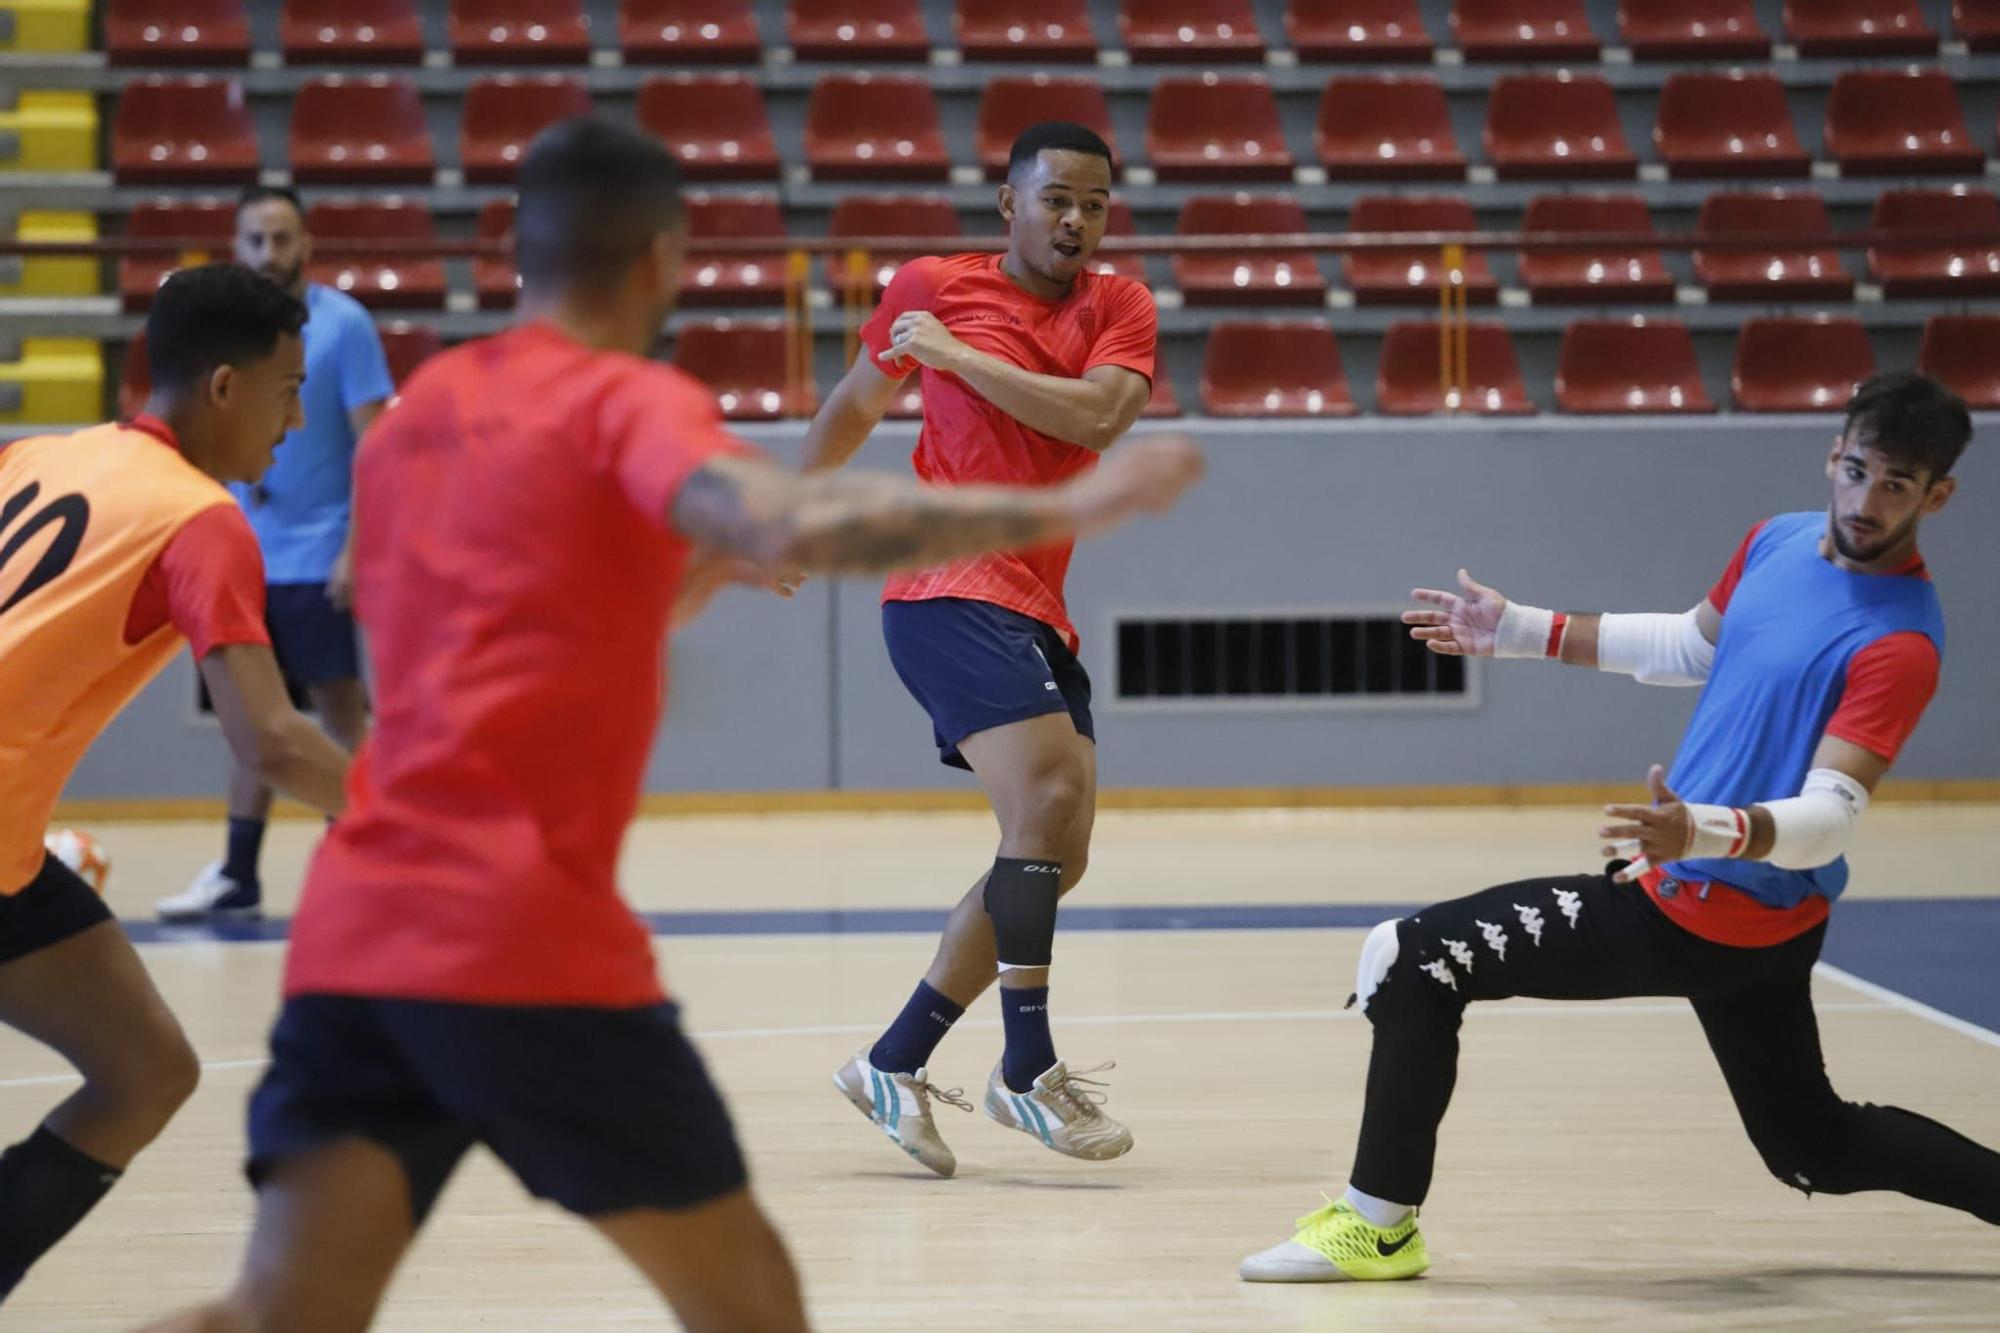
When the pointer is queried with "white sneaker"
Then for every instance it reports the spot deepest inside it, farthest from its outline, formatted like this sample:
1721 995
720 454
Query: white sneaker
900 1106
1063 1110
212 896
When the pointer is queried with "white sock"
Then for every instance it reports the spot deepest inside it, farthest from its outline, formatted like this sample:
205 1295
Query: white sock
1379 1212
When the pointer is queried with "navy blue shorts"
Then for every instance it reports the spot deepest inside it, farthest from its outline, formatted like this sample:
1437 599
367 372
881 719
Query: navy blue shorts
975 666
597 1110
313 638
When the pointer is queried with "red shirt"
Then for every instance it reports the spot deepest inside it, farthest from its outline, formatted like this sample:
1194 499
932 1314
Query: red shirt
515 574
1889 684
1104 320
208 581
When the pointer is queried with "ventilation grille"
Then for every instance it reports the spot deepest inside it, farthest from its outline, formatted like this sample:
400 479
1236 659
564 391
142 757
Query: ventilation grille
1298 659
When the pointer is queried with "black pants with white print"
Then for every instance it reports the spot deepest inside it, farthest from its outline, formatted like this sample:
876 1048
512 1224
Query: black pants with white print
1585 937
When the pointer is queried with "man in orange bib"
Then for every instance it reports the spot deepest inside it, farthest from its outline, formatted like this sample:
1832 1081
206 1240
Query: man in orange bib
118 543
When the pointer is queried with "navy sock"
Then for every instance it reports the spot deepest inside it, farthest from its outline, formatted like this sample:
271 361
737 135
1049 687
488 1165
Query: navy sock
246 845
1024 1013
906 1047
46 1188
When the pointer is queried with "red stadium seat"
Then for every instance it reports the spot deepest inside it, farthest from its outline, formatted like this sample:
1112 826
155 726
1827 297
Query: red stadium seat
715 124
1859 28
1977 23
688 32
135 378
1693 30
212 221
1354 31
1207 32
1555 127
1119 223
407 346
1882 122
1387 127
1291 278
1948 270
1412 277
888 215
1163 402
176 32
1800 365
1215 128
879 30
1408 382
494 281
352 32
1629 365
1010 105
875 127
361 128
1792 274
1274 368
504 113
519 32
1593 277
1519 30
743 362
1733 124
734 278
1963 351
183 131
377 281
1043 31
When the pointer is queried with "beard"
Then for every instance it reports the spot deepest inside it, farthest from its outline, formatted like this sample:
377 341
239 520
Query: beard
1872 549
288 278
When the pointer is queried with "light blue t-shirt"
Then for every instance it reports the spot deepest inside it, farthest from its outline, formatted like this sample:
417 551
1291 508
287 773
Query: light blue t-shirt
299 508
1792 627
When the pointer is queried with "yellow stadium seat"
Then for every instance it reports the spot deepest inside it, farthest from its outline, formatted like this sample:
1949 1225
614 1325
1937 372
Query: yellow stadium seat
53 276
49 130
57 381
44 25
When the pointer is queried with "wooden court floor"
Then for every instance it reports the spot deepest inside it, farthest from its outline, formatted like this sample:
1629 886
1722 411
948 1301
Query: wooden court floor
1591 1175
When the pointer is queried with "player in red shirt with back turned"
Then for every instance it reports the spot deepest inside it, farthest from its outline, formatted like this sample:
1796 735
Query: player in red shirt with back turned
462 969
1033 365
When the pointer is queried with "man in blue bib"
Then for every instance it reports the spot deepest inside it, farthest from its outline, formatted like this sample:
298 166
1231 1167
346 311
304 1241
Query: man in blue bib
1818 650
299 511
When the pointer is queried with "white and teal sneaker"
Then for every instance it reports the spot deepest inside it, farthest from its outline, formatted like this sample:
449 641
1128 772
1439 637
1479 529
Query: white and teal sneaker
1064 1110
900 1106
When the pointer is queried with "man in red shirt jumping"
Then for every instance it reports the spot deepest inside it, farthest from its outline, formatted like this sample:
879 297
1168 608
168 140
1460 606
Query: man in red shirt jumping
462 969
1033 365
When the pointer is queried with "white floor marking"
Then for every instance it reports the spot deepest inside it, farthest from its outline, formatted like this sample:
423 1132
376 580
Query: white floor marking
1901 1001
1515 1009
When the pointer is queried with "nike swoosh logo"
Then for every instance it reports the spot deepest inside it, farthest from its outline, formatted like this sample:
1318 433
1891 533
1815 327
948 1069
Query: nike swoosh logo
1385 1249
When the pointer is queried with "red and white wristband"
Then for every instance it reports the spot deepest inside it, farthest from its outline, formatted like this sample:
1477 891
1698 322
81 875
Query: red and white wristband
1720 831
1530 631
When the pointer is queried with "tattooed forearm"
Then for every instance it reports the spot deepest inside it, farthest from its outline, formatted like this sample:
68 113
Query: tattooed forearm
857 523
872 524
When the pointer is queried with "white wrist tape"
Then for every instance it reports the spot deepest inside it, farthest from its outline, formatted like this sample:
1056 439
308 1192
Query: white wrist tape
1656 649
1719 831
1529 631
1814 827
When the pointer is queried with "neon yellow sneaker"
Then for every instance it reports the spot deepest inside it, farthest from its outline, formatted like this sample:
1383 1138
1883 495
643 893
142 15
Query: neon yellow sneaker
1337 1244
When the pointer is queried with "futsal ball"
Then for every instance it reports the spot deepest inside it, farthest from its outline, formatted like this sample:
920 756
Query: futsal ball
82 853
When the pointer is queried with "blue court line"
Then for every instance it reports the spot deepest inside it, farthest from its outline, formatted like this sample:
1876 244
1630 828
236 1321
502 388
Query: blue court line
1941 951
886 920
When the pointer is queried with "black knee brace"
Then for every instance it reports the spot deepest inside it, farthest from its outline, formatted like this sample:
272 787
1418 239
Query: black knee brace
1021 899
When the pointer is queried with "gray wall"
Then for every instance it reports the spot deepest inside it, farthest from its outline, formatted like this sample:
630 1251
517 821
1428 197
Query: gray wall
1582 513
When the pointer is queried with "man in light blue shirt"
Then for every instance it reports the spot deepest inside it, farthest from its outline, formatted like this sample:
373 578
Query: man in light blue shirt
299 510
